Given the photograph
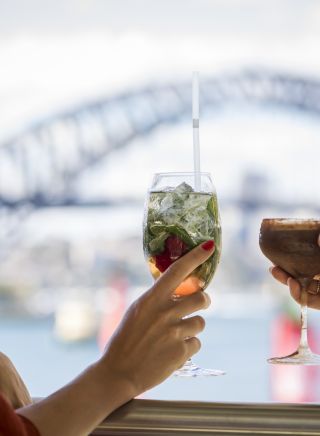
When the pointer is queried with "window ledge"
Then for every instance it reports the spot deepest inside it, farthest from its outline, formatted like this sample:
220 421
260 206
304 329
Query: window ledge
150 417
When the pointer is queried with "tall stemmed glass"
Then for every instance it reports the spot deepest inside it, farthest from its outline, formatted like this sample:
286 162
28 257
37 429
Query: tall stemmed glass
292 245
177 218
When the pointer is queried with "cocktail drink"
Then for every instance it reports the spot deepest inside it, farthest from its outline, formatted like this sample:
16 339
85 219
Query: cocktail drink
292 245
178 218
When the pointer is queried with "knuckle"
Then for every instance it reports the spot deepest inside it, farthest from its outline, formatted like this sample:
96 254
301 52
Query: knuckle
197 344
180 346
180 352
184 350
200 323
195 256
203 300
134 310
207 298
138 306
193 346
174 268
183 353
172 273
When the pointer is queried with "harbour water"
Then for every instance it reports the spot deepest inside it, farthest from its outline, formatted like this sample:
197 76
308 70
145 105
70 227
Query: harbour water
240 346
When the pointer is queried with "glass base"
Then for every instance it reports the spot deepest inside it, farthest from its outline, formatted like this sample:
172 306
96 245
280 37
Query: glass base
189 369
299 357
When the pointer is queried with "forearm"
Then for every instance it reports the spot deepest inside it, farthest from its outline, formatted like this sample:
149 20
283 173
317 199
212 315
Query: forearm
79 407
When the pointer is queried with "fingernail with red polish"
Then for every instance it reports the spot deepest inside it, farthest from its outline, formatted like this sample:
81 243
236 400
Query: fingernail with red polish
208 245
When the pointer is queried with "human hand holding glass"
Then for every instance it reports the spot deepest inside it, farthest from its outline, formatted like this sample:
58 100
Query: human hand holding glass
148 345
293 246
179 216
295 287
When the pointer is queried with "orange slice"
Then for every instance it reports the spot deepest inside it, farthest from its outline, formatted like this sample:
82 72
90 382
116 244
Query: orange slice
189 286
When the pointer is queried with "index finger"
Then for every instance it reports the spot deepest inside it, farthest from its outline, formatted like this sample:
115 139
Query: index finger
184 266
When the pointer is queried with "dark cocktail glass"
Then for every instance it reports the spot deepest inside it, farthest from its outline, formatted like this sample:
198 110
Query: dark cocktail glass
292 245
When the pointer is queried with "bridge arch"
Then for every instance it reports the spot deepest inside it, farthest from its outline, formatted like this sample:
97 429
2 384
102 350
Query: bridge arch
47 158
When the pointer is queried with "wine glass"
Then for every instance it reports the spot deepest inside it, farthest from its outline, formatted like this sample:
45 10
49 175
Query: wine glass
292 245
181 212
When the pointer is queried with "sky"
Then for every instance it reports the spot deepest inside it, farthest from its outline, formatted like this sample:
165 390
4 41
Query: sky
57 54
172 16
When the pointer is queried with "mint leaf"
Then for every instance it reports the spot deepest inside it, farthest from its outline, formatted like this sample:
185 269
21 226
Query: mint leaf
156 245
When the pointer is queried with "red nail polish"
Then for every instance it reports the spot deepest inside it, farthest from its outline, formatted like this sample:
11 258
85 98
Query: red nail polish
208 245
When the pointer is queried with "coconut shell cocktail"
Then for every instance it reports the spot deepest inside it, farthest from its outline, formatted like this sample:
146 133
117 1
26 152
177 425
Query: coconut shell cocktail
292 244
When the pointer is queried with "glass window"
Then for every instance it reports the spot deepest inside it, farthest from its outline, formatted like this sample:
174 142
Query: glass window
95 97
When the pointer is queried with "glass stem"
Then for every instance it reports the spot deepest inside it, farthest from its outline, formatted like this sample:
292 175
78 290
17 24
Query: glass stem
303 345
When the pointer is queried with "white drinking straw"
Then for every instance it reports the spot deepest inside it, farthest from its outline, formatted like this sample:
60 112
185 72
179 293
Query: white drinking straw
195 125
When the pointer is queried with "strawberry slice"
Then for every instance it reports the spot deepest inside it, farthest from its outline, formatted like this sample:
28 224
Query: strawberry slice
174 248
163 261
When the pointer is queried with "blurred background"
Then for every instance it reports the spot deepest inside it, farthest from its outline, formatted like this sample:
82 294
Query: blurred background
95 97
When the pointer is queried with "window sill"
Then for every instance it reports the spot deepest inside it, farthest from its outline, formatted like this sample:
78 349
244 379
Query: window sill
150 417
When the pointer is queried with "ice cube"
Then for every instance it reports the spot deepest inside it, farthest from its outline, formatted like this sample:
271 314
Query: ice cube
196 202
166 203
167 189
183 188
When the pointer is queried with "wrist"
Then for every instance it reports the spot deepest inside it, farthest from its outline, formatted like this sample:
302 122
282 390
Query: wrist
116 387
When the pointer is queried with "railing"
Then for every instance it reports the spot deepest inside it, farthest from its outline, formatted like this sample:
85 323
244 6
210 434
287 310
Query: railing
147 417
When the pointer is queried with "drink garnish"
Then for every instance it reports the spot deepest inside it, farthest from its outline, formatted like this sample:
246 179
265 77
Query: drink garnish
178 220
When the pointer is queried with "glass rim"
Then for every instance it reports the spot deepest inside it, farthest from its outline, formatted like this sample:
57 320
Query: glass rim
182 173
290 222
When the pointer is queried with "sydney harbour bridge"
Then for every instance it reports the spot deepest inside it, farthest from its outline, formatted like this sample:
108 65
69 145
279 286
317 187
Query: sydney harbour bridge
46 160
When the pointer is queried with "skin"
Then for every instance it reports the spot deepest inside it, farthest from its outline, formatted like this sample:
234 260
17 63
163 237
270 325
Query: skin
295 288
151 342
11 384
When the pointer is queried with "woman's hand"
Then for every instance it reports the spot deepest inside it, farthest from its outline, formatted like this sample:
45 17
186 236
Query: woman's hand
11 384
150 343
295 287
153 340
